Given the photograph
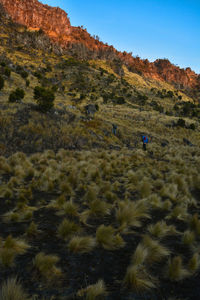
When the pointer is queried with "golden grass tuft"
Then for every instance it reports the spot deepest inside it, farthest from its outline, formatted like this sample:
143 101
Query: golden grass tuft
45 264
82 244
140 255
11 289
67 228
70 208
99 208
175 270
194 263
130 213
188 238
138 279
161 229
106 237
156 251
94 291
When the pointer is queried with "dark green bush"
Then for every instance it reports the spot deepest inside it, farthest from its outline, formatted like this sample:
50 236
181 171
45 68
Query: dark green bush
170 94
24 74
16 95
181 123
7 71
44 98
1 82
192 126
27 82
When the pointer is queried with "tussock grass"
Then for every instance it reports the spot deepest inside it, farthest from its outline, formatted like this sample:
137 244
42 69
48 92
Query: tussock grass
106 237
156 251
161 229
32 230
188 238
45 264
94 291
82 244
138 279
70 208
140 255
11 289
194 223
99 208
130 213
17 245
194 263
67 228
175 270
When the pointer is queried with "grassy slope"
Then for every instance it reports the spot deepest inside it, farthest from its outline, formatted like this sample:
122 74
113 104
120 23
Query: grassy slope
101 179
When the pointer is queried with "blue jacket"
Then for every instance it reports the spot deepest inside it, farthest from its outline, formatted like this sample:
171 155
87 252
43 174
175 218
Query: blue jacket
145 139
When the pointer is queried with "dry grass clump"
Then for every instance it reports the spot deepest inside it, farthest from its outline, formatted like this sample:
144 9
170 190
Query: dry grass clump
99 208
175 270
65 188
188 238
11 289
82 244
94 291
161 229
10 248
179 212
194 223
67 228
156 251
130 213
45 264
70 208
140 255
91 194
145 188
32 230
21 213
6 192
194 263
106 237
138 279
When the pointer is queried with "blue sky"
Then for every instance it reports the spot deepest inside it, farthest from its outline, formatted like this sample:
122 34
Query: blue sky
149 28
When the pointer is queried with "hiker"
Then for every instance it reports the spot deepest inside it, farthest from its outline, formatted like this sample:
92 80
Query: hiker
114 129
145 142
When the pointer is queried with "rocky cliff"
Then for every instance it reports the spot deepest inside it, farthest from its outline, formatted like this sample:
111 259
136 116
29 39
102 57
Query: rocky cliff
76 40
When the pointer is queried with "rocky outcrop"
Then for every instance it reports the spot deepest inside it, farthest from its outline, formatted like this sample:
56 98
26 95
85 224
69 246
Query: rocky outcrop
76 40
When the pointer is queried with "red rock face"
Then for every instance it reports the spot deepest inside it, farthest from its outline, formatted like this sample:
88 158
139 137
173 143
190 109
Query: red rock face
33 14
55 23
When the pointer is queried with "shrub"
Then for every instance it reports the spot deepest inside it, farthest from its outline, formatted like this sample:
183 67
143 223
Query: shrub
44 98
1 83
181 123
7 71
24 74
192 126
16 95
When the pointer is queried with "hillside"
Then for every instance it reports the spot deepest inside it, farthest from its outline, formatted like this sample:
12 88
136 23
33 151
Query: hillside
86 213
76 40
